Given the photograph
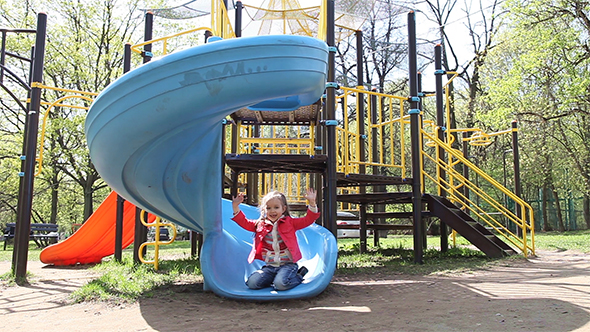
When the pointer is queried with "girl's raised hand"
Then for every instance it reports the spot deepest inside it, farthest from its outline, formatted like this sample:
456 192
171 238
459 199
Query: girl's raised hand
237 200
311 196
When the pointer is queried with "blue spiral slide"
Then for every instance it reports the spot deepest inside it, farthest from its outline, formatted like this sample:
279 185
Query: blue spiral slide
155 137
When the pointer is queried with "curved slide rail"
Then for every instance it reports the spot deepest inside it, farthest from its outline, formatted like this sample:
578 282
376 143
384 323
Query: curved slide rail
96 238
155 137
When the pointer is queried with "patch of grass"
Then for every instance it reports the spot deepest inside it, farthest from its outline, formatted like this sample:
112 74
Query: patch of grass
127 282
9 279
571 240
6 255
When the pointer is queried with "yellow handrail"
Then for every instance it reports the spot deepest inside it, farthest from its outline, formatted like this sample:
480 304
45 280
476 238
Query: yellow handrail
164 40
220 22
56 103
526 219
220 26
156 243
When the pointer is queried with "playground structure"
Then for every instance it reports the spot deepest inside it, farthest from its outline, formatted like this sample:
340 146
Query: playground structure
332 152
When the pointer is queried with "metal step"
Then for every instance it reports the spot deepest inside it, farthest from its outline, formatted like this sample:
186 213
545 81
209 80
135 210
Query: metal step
474 232
376 198
356 180
276 163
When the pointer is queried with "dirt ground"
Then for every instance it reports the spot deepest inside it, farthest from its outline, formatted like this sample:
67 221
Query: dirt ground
550 292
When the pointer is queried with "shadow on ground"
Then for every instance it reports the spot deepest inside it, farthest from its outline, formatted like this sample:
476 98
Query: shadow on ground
528 295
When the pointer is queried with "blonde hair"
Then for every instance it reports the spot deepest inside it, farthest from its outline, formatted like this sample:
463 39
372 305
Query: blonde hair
272 195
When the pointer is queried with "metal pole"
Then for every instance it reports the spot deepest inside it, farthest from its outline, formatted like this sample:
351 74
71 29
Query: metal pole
119 229
440 122
121 200
138 239
423 178
147 36
375 159
238 26
331 149
516 156
415 135
22 164
28 173
320 178
127 58
360 116
140 230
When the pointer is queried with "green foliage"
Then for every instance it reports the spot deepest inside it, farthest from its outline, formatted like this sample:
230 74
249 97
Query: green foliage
539 74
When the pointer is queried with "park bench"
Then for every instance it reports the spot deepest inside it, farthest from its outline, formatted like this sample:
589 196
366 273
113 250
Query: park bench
42 234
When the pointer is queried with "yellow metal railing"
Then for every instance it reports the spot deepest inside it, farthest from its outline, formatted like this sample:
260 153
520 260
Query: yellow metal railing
164 40
220 21
293 185
276 139
220 26
284 139
454 184
84 95
385 132
157 223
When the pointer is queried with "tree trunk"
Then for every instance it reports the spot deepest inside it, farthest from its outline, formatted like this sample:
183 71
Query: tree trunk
587 211
558 210
88 206
546 225
54 197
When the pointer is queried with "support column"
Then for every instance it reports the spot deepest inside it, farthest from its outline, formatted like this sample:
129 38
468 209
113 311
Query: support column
140 229
25 202
415 139
121 200
440 123
238 23
119 229
360 116
330 183
517 185
22 164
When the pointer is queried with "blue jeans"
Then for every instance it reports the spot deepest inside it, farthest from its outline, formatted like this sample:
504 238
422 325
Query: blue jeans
283 277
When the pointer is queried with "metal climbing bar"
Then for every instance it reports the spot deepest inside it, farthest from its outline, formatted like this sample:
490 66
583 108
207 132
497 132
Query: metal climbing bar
156 243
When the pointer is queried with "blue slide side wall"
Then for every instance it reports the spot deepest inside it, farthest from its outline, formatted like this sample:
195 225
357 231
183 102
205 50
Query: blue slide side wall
155 137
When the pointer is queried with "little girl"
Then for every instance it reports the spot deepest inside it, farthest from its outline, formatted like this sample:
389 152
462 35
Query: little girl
275 241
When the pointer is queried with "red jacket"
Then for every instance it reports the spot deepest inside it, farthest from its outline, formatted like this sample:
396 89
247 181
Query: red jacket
287 227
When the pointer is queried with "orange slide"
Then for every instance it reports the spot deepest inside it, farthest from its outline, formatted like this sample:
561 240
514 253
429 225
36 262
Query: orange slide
96 238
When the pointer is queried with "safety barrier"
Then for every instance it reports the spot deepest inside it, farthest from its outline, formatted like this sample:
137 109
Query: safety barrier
383 134
462 191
